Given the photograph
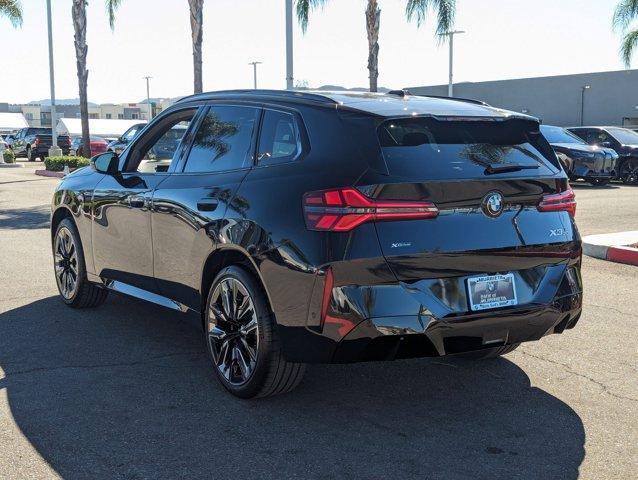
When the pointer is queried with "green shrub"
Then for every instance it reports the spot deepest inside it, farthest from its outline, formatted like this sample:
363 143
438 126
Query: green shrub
57 164
9 156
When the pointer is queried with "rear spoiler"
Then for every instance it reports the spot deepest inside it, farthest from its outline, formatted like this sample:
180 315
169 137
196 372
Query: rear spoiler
458 99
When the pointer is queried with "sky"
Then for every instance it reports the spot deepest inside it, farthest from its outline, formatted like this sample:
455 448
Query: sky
505 39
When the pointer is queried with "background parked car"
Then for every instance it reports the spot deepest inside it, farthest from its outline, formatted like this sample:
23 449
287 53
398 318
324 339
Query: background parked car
594 164
35 142
120 144
98 145
622 140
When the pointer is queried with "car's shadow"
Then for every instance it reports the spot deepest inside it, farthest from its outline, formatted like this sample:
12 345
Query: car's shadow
125 391
31 218
589 186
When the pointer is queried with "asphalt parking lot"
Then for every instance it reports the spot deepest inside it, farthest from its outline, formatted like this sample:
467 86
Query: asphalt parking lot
125 391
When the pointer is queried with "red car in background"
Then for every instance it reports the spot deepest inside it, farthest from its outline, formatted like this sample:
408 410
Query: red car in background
98 145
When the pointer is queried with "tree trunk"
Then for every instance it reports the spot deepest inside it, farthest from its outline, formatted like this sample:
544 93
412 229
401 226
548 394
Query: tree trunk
78 11
197 24
373 22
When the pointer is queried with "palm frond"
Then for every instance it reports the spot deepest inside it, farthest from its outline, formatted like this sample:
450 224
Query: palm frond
12 9
418 10
304 7
626 11
628 45
111 7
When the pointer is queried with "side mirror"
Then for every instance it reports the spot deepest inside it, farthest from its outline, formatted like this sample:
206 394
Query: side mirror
106 163
605 144
122 140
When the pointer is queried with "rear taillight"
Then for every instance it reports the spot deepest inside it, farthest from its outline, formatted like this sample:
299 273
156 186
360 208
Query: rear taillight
68 141
556 202
346 208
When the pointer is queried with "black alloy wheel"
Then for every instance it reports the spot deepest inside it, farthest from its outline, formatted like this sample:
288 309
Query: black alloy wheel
70 270
628 171
65 255
241 339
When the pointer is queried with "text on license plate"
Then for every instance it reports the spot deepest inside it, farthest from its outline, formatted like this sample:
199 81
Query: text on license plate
491 291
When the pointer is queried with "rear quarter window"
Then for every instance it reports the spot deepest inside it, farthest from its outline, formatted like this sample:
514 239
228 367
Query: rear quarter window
279 139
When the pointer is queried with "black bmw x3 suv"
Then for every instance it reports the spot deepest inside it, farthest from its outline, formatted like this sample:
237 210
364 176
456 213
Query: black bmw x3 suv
329 227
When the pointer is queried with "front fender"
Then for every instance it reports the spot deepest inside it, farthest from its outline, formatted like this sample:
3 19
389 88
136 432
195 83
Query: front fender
73 198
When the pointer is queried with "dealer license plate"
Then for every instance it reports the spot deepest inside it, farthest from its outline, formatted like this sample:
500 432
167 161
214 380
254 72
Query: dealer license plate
491 291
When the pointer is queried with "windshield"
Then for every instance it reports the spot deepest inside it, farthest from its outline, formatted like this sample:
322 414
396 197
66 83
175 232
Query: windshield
461 149
559 135
624 136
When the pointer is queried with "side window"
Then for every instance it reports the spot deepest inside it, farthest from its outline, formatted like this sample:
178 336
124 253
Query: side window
155 151
223 140
279 138
596 137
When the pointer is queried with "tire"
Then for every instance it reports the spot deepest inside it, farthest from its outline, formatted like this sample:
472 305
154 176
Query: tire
628 171
68 257
489 352
30 155
241 338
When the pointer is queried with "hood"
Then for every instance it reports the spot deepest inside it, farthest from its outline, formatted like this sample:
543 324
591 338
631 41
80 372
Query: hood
577 147
580 151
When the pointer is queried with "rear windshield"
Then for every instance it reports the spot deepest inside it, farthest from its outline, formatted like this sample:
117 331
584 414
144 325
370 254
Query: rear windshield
464 149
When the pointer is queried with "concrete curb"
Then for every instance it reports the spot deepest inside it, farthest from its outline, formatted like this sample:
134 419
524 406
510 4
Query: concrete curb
46 173
11 165
615 247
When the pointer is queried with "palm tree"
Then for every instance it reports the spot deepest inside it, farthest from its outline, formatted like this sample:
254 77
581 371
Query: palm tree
414 10
12 10
196 8
626 12
78 13
197 26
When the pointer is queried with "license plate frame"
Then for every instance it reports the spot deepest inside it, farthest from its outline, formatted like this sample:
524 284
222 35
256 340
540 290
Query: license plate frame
486 292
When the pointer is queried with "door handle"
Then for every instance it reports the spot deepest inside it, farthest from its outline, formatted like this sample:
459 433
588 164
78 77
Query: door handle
207 204
136 201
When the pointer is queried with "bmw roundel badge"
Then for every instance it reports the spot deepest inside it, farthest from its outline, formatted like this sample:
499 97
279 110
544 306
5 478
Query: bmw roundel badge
492 204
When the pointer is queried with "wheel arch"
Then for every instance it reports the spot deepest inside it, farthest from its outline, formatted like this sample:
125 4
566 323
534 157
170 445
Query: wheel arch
60 214
222 258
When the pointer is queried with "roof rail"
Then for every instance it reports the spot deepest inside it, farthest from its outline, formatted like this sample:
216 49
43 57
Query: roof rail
458 99
252 93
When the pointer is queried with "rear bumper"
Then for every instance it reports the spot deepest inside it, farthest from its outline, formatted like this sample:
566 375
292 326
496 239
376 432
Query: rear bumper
45 150
391 338
431 318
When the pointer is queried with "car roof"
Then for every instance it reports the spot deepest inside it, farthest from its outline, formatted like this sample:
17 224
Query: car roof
396 104
597 127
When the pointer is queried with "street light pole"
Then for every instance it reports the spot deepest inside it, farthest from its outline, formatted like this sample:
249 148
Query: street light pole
582 103
148 98
254 64
289 59
450 35
54 150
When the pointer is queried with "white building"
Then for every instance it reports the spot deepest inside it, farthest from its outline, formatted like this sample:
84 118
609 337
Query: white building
98 127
